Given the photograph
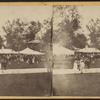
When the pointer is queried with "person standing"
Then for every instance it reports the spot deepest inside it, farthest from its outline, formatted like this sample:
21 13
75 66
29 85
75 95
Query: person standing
82 65
78 64
75 67
5 64
33 59
0 65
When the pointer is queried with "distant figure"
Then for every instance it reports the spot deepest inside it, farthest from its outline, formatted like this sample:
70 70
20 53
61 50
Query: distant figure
0 65
30 60
78 64
82 65
36 59
33 60
88 63
5 64
75 67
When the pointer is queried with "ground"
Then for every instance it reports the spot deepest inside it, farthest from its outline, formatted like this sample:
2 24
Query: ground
39 84
67 83
25 84
76 85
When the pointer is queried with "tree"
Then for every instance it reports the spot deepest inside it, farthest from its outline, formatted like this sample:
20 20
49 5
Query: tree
47 32
18 33
1 42
68 24
80 41
32 29
14 34
94 29
45 37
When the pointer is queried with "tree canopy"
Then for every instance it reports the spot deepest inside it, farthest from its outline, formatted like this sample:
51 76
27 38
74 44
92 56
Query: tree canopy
18 33
94 29
68 25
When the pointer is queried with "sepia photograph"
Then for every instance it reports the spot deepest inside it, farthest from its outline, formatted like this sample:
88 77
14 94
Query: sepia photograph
25 51
76 51
50 50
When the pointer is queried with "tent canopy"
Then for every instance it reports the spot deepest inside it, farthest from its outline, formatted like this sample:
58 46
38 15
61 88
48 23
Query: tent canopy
89 50
60 50
7 51
29 51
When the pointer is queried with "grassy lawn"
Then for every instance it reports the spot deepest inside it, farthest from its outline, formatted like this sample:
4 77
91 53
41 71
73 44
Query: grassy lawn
76 85
25 84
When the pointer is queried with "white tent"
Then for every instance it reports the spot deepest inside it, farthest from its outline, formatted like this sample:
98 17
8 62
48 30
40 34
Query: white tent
60 50
7 51
29 51
89 50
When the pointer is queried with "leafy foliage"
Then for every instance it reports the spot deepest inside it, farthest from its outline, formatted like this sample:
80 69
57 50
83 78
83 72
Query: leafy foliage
94 29
18 33
69 24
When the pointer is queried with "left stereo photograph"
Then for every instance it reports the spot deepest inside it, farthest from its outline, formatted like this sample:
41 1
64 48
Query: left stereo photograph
25 50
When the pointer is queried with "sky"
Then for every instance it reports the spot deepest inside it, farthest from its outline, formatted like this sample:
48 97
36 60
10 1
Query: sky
88 12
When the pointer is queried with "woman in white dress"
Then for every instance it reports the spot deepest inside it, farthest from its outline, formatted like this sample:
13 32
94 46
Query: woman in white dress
75 67
82 66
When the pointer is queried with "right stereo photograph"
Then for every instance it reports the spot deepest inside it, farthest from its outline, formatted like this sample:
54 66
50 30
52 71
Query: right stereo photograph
76 50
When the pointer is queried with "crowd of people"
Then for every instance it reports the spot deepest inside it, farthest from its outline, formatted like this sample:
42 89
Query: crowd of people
7 59
83 61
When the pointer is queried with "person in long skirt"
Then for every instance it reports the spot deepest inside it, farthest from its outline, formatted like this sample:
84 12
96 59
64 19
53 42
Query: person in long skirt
33 59
82 65
75 67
